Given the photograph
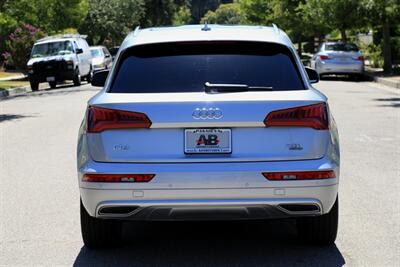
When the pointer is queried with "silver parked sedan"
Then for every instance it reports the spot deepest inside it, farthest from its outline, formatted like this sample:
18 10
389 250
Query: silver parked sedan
207 123
338 58
101 58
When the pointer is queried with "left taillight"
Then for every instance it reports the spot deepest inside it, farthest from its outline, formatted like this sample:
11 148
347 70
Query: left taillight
101 119
314 116
118 178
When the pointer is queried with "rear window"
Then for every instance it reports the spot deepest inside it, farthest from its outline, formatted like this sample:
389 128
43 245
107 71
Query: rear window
186 67
341 47
96 52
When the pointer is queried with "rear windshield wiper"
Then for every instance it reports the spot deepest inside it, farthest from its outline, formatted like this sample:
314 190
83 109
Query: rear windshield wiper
228 88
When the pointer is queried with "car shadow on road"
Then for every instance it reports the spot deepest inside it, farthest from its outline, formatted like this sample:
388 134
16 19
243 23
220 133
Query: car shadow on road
345 78
394 102
10 117
252 243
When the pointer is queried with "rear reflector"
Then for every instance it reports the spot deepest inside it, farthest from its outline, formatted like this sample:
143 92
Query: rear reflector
314 116
101 119
118 178
303 175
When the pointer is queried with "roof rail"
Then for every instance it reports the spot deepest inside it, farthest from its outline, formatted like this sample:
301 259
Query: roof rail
276 29
136 31
60 36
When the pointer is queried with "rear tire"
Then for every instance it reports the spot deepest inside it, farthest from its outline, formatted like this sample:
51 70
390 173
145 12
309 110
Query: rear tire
77 78
321 230
89 76
98 233
357 77
53 85
34 86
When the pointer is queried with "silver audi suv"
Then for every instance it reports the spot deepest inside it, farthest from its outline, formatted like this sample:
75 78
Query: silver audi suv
207 122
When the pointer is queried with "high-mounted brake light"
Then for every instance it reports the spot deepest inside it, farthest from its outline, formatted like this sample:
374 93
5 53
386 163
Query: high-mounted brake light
302 175
324 57
118 178
314 116
101 119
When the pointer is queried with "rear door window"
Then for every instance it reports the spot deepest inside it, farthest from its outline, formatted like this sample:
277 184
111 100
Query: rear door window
186 67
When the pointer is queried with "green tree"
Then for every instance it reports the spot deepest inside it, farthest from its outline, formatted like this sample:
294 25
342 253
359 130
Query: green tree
61 14
344 15
314 18
51 16
257 12
224 14
158 13
288 15
110 20
199 8
182 16
382 15
328 15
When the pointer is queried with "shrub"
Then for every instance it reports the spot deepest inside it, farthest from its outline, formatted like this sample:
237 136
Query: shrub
372 54
19 45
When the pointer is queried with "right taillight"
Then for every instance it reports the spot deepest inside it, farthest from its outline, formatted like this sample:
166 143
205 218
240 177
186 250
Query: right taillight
301 175
101 119
324 57
314 116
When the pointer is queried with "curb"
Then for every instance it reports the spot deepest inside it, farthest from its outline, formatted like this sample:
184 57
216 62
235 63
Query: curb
384 81
14 92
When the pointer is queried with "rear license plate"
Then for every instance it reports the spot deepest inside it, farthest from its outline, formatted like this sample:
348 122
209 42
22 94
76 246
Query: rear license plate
208 141
51 79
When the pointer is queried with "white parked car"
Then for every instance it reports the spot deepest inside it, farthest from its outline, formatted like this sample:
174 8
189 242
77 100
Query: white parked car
207 123
338 58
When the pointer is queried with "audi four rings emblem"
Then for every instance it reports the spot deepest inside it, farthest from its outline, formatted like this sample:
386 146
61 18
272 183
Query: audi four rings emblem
207 113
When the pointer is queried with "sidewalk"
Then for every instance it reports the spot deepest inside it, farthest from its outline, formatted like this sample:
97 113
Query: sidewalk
378 76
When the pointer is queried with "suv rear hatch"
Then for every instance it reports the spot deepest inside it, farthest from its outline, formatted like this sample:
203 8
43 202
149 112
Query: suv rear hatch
165 85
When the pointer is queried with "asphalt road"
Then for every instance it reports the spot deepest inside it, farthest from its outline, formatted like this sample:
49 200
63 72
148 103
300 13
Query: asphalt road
39 198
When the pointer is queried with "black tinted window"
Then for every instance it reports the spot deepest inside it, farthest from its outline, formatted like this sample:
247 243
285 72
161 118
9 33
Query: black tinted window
186 67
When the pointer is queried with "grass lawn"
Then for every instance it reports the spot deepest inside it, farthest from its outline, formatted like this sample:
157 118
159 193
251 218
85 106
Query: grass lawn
12 84
4 74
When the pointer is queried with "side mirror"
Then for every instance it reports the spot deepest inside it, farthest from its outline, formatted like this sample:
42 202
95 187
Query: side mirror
108 55
99 78
313 76
79 51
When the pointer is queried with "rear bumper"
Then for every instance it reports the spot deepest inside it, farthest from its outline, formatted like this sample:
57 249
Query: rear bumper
196 191
215 204
343 68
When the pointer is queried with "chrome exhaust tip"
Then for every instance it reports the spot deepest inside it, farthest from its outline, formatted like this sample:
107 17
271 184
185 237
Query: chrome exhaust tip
310 208
117 210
